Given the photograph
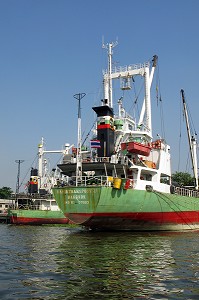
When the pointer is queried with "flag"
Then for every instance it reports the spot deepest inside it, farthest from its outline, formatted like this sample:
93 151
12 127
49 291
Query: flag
95 144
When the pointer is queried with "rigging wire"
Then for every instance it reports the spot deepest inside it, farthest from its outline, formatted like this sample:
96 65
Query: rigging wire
89 132
192 132
180 138
160 101
137 95
28 172
135 107
172 204
188 163
191 124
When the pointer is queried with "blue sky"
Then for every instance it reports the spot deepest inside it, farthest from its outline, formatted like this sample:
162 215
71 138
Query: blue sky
52 49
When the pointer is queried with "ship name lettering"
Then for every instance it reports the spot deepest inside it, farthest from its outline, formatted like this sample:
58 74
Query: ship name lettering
77 197
83 202
80 191
70 202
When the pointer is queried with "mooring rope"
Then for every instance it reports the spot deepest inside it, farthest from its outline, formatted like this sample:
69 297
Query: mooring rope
167 200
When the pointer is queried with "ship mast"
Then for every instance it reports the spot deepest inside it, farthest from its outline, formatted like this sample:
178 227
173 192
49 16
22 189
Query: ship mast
125 73
79 140
42 162
108 83
148 87
192 143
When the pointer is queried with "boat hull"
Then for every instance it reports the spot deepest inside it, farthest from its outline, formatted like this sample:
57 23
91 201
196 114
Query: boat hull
36 217
107 208
4 218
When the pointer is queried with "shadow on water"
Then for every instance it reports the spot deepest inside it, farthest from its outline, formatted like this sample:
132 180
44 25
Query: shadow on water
71 263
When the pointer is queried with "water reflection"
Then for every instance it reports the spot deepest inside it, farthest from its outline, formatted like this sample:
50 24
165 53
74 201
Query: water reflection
68 263
117 265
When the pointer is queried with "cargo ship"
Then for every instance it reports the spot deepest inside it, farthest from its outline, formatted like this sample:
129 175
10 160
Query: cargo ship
37 206
124 181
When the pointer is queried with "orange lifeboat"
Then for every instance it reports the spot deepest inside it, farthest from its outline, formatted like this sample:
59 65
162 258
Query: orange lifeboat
137 148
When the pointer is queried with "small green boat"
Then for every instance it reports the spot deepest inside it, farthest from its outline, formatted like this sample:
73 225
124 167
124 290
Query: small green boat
37 206
30 211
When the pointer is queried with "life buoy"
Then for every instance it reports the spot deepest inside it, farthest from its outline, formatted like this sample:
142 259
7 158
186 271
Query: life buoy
156 144
153 165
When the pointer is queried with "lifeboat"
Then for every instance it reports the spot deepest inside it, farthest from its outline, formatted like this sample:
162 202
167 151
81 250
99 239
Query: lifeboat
137 148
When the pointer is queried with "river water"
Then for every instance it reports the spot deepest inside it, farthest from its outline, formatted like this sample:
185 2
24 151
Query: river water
50 262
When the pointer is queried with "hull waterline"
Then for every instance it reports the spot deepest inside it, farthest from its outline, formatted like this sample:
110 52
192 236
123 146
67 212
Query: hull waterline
33 217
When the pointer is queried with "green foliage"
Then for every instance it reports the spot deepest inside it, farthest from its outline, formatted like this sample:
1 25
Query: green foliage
5 192
183 179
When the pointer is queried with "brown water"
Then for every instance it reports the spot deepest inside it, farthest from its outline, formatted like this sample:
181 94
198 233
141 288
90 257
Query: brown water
47 262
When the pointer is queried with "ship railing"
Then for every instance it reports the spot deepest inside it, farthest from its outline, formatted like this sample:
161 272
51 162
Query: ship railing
31 196
30 207
186 192
91 180
102 159
97 160
112 160
106 181
126 68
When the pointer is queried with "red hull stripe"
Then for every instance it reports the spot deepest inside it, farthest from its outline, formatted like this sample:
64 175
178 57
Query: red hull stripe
38 221
186 217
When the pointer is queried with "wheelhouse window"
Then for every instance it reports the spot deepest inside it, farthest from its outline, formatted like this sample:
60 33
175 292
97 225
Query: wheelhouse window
165 179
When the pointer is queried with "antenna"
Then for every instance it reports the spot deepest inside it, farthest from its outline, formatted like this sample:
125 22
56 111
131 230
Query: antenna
79 142
106 46
19 162
102 41
109 46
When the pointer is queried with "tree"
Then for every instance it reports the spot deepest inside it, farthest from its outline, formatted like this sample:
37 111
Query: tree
5 192
183 179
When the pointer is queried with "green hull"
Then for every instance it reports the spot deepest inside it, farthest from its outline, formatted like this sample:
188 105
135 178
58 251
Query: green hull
109 208
36 217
